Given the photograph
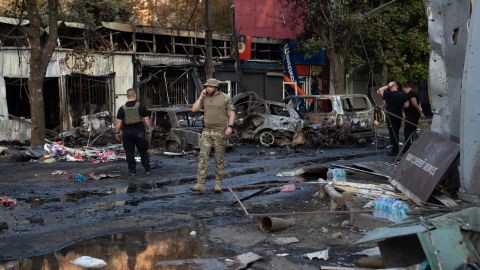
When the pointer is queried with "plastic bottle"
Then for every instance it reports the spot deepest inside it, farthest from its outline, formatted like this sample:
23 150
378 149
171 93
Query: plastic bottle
390 209
337 175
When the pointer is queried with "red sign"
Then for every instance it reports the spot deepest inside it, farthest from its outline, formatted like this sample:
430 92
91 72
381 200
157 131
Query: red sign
245 47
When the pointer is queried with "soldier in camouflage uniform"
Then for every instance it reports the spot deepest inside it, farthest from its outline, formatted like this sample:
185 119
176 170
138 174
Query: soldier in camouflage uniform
219 116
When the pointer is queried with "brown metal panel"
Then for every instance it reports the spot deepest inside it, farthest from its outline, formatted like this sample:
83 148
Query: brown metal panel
422 168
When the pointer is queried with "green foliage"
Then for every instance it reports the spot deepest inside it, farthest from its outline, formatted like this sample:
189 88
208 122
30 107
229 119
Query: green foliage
368 37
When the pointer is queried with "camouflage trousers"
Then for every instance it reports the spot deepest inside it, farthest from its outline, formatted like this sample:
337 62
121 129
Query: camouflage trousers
217 139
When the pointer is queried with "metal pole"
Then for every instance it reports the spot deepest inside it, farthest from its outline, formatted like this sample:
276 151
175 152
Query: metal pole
208 40
239 202
234 50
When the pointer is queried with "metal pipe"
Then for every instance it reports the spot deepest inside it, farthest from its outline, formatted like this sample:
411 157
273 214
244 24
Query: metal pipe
321 212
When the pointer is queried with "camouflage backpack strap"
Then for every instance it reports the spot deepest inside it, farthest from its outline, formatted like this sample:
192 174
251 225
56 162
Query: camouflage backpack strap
226 97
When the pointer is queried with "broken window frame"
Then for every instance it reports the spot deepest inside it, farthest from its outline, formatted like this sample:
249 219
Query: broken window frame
106 82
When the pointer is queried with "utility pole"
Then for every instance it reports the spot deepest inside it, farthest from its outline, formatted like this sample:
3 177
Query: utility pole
208 40
234 49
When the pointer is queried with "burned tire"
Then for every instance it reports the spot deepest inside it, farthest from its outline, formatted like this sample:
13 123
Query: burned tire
173 146
266 138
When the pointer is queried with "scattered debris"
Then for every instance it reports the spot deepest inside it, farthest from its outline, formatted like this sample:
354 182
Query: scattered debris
371 191
79 178
49 160
89 262
285 240
58 151
391 209
271 224
337 175
282 255
59 172
178 154
312 169
246 259
374 262
102 176
324 230
3 226
337 235
345 223
446 200
54 149
8 202
447 242
321 255
369 252
204 264
287 188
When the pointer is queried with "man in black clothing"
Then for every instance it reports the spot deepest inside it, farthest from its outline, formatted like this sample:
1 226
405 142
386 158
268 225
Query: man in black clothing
412 114
132 125
394 102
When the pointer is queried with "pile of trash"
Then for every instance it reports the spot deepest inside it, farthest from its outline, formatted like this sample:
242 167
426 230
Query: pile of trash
55 151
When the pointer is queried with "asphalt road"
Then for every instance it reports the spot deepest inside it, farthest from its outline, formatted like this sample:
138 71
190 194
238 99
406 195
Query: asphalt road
53 211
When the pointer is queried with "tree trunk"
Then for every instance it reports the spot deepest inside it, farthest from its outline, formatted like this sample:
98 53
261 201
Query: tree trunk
384 74
337 64
41 51
35 88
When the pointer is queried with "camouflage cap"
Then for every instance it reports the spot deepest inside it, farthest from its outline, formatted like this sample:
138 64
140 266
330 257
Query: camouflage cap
212 82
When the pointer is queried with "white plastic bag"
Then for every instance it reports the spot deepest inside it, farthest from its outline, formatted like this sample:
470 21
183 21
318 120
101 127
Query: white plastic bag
89 262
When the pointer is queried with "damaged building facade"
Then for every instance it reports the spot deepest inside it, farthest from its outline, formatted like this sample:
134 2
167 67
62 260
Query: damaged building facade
91 70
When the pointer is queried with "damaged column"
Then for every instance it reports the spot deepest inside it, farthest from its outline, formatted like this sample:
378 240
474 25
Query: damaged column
447 31
470 120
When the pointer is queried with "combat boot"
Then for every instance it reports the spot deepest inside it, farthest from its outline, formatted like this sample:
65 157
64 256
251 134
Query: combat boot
200 186
218 186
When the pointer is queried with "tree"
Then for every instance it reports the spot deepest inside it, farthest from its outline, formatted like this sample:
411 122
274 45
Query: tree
41 50
387 39
329 25
393 43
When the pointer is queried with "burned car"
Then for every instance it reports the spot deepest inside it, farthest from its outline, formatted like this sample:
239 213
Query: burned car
335 119
265 121
176 128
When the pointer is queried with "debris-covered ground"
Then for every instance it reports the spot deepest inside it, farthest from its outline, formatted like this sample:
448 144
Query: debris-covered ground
144 220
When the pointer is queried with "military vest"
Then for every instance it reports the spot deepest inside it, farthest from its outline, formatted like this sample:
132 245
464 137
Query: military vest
132 116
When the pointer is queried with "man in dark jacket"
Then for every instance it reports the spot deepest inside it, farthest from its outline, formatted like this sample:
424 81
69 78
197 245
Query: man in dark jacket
132 125
394 102
412 114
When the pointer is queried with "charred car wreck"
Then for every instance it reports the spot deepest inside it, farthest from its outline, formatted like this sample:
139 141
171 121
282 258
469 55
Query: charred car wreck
265 121
332 120
176 128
